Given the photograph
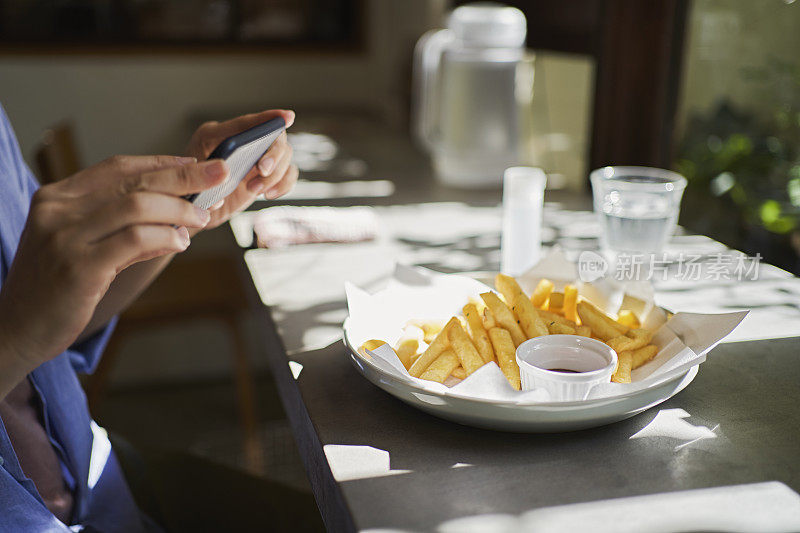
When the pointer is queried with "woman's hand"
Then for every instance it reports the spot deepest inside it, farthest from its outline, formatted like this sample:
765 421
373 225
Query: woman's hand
273 176
81 232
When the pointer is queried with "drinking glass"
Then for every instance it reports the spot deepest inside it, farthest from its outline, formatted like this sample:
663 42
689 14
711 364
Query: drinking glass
637 207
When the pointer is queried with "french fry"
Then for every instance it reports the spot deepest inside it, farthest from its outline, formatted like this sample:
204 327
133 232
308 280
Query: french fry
622 343
469 357
407 348
506 355
556 328
529 319
370 345
643 355
623 329
635 305
635 339
571 302
442 367
459 372
542 293
430 328
549 316
623 372
556 301
641 333
434 350
504 317
492 328
479 336
489 321
641 338
602 326
628 318
527 315
508 287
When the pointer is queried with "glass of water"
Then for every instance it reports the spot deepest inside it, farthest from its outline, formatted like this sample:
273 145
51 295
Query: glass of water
637 206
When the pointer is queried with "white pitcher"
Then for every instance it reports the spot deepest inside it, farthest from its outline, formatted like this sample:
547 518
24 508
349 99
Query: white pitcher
473 85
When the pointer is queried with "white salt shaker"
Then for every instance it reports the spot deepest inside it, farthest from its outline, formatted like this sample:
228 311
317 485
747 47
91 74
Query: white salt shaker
523 203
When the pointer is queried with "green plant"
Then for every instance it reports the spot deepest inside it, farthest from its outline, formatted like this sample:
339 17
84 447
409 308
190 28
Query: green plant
753 160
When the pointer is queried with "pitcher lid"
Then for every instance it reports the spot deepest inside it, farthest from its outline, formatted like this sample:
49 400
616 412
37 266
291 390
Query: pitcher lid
488 24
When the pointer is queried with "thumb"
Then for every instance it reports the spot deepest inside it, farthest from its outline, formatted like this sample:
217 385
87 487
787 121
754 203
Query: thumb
225 129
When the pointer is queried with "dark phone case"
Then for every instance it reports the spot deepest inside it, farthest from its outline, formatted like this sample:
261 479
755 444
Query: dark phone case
241 152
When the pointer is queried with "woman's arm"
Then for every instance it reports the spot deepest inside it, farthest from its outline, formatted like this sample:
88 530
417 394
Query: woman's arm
124 290
13 367
82 232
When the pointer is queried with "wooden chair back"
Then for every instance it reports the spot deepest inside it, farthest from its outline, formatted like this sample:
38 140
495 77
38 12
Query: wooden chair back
56 155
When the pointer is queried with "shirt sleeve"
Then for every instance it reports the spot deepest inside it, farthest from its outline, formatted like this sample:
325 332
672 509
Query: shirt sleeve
27 181
83 355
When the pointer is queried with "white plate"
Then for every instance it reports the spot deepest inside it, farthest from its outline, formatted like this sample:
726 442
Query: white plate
534 418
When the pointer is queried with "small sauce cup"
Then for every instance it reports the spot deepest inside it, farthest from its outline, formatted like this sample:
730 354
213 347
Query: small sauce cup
567 366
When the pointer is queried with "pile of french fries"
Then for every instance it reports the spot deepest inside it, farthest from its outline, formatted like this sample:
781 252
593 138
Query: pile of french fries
491 329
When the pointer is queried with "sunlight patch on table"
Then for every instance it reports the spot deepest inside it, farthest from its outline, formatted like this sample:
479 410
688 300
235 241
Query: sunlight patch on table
670 423
757 507
486 523
327 190
350 462
385 530
752 508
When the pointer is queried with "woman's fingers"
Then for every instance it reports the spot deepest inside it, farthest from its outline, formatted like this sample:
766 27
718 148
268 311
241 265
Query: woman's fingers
266 165
99 176
138 243
285 185
244 122
279 174
137 164
210 134
141 208
178 181
283 158
259 177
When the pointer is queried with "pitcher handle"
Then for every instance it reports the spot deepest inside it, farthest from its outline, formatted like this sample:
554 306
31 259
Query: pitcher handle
427 57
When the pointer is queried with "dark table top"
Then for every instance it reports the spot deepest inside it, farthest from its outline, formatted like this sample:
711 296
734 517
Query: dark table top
378 464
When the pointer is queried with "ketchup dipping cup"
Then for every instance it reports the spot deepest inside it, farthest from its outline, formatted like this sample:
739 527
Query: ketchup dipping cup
567 366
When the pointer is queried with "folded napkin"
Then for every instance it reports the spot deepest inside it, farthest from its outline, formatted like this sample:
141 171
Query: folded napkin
282 226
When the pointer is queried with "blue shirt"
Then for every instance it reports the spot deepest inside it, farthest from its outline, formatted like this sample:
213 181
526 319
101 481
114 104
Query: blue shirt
102 498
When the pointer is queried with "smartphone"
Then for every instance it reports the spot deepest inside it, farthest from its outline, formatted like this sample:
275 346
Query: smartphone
241 152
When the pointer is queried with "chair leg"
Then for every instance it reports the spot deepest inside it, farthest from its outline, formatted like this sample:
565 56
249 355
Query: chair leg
253 445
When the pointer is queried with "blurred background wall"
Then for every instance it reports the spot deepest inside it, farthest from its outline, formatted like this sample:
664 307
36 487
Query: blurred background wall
145 102
149 102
